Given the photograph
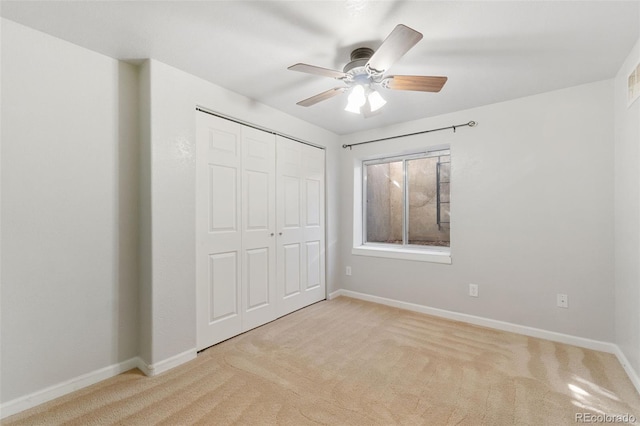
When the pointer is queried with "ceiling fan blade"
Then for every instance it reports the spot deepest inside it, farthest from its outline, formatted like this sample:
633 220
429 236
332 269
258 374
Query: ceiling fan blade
419 83
401 39
312 69
322 96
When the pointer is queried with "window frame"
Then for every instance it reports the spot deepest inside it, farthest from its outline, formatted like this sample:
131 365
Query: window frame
437 254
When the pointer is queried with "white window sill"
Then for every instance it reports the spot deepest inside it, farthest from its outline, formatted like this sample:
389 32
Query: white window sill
421 255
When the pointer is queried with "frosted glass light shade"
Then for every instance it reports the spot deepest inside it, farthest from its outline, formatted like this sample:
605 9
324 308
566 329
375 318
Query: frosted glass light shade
356 99
376 101
352 108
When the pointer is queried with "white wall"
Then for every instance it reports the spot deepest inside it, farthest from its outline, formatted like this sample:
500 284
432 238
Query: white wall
69 227
532 214
627 215
174 96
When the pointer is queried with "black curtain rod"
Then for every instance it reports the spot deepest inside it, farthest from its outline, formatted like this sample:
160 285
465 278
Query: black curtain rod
470 124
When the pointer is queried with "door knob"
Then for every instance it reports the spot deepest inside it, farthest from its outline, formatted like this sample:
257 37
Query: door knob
272 234
279 233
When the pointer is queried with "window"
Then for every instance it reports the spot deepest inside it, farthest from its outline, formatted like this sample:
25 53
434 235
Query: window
406 201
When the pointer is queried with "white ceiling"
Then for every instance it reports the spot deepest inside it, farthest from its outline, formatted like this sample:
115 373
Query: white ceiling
491 51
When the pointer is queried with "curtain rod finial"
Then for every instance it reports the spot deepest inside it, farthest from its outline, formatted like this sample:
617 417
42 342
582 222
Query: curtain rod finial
472 123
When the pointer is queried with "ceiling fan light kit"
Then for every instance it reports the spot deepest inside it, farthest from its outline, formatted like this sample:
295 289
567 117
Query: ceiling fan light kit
356 99
366 71
376 101
360 96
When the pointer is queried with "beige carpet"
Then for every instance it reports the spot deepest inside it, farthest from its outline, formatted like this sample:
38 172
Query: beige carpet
351 362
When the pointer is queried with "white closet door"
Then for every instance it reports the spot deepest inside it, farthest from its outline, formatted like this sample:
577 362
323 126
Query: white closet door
258 228
314 231
300 217
218 229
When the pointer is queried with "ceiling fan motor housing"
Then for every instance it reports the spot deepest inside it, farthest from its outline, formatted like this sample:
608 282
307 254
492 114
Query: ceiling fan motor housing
359 58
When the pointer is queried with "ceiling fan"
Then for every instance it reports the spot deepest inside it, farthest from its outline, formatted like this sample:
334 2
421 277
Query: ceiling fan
366 72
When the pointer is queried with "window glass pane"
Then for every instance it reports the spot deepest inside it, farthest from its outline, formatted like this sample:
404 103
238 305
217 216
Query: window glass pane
428 189
384 206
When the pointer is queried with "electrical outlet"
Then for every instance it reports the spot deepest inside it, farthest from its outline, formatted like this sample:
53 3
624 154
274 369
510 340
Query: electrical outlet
563 300
473 290
349 271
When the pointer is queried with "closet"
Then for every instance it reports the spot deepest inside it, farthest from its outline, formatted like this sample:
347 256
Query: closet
259 227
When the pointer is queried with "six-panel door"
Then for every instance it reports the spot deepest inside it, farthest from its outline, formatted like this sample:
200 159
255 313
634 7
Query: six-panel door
258 228
218 229
300 186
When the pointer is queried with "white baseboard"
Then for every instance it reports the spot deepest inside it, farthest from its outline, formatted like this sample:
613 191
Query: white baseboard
485 322
335 294
633 375
501 325
22 403
52 392
167 364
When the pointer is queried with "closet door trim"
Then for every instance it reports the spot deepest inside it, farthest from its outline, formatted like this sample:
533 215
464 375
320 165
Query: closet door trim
257 127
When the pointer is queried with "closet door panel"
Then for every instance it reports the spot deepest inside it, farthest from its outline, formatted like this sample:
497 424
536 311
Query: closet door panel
290 219
257 185
313 226
291 275
291 201
313 265
258 228
222 186
223 285
300 184
313 203
258 278
218 230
